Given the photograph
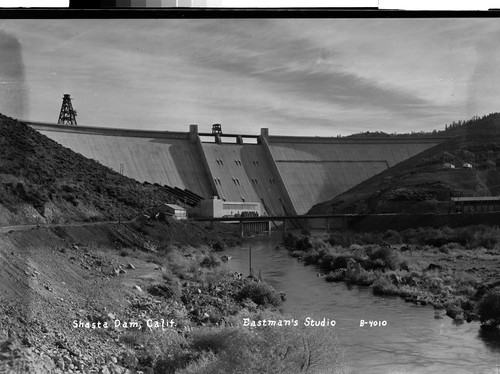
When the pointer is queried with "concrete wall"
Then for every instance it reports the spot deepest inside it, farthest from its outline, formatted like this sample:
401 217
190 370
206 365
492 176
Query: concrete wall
287 175
242 173
314 171
152 156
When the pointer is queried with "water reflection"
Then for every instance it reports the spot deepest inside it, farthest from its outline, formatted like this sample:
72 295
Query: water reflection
491 340
413 341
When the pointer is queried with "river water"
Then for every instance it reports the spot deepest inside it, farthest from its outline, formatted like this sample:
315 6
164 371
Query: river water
413 341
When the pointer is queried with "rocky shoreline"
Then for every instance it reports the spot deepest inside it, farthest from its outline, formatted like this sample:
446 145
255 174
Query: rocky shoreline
454 279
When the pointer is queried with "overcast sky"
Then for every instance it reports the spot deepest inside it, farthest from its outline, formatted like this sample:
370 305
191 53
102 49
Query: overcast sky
317 77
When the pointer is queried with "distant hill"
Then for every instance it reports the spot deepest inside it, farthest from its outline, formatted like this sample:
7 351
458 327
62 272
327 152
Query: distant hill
44 182
425 182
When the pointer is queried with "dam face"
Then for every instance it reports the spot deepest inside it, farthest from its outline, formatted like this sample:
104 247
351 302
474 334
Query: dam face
287 175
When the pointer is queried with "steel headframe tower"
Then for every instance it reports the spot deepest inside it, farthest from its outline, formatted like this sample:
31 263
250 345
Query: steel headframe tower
68 114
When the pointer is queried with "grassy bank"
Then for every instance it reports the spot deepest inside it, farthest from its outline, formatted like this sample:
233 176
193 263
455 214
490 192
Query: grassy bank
455 270
210 307
211 336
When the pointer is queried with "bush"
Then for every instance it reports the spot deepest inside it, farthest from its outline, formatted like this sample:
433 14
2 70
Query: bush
311 257
388 256
385 257
371 238
267 350
180 265
167 291
326 262
332 262
289 240
124 253
218 246
365 278
489 309
319 244
383 286
336 276
487 241
260 293
213 340
342 238
304 244
210 261
392 237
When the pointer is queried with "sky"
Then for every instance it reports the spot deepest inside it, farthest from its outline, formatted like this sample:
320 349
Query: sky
314 77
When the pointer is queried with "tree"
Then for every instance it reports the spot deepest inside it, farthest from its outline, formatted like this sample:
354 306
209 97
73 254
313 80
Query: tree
489 309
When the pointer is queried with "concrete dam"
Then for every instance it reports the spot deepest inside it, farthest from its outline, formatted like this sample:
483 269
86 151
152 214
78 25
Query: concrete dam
286 174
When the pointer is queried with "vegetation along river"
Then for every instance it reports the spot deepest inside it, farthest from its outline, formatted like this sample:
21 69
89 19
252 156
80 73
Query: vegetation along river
412 341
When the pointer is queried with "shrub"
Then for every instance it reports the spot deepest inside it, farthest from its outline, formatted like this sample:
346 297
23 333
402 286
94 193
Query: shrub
332 262
489 309
181 265
365 278
260 293
219 245
304 244
371 238
336 276
388 256
167 291
289 240
383 286
342 238
311 257
268 350
124 253
340 262
487 241
392 237
200 365
319 244
356 248
168 276
213 340
210 261
326 262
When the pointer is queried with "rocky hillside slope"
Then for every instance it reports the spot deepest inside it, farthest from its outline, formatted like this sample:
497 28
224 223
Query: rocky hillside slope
426 182
43 182
58 286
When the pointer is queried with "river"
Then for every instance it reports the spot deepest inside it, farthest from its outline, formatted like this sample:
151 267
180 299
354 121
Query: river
412 341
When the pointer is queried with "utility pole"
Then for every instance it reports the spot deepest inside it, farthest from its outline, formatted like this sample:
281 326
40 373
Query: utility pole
119 202
250 260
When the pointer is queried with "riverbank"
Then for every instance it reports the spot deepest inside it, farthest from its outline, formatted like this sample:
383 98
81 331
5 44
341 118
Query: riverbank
142 297
451 269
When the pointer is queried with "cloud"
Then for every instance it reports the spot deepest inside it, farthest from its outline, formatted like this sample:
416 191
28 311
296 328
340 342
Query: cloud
325 74
482 84
13 92
297 69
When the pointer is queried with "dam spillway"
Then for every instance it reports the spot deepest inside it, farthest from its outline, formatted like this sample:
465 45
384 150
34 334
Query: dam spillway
287 175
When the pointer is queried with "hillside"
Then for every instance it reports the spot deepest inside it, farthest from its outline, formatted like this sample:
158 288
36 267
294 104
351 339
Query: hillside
423 183
83 296
43 182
